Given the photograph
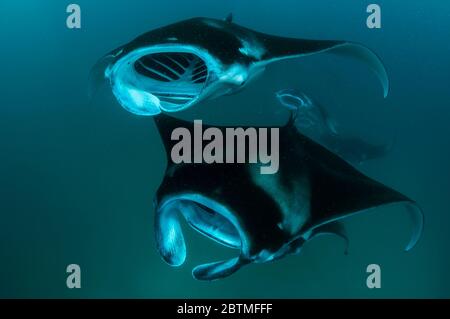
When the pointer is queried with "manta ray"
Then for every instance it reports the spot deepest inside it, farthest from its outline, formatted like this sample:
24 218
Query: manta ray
263 217
314 121
177 66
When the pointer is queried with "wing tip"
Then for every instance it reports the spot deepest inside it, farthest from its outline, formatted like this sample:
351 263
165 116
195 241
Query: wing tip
417 216
366 55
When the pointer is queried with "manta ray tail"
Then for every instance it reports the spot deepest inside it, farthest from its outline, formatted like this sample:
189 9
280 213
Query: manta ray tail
279 48
339 190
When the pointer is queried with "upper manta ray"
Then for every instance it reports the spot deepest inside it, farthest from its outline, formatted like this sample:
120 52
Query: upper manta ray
265 217
174 67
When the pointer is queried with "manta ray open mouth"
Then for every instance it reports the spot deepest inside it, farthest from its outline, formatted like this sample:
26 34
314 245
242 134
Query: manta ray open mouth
212 224
206 216
176 79
163 79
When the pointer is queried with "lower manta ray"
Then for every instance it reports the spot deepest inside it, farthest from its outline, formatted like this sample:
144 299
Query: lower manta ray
265 217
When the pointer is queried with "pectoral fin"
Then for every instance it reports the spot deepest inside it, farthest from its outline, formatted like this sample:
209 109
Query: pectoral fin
280 48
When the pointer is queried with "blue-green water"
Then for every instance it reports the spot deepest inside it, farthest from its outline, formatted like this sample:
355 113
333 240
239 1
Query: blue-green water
78 177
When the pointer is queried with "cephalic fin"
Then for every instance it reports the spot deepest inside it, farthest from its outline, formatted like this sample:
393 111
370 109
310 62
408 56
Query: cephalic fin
218 270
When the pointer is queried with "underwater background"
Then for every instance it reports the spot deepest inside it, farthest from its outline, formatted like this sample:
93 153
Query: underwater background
77 177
